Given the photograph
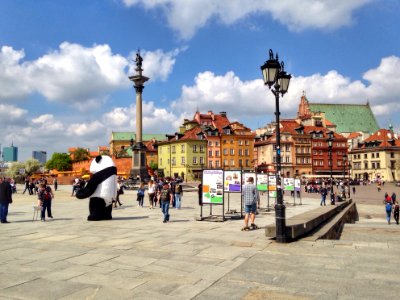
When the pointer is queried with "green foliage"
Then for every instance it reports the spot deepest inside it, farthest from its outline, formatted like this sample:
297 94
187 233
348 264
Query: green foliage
81 154
153 166
30 166
60 162
13 170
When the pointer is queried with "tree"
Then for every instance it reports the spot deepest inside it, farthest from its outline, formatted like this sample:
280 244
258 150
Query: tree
60 162
31 166
80 154
153 166
14 170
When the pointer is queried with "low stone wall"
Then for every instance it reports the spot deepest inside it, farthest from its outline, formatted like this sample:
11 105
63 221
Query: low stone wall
303 224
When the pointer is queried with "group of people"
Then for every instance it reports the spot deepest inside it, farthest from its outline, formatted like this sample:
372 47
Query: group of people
391 207
32 186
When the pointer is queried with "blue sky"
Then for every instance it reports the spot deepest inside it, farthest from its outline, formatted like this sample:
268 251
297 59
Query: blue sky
64 64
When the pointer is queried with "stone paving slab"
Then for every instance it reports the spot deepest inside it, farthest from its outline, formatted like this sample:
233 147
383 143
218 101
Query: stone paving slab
136 256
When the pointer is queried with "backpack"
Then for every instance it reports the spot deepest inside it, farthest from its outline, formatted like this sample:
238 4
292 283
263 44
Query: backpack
46 194
165 195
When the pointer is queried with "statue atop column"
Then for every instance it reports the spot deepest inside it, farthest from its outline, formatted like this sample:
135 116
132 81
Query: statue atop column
138 60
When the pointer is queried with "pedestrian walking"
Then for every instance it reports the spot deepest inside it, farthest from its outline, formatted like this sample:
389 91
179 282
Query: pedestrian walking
152 194
166 199
394 197
26 185
120 191
250 199
388 208
45 196
323 192
354 190
396 212
5 199
55 183
178 195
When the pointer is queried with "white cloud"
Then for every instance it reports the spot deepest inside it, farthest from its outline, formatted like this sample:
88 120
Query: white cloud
157 64
244 98
11 114
89 129
78 76
13 81
186 17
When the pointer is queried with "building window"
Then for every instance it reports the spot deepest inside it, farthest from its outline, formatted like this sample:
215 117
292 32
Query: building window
217 163
225 151
210 153
232 162
240 142
232 151
274 159
355 156
182 160
173 149
201 149
287 147
373 165
365 165
217 153
202 160
225 162
210 164
240 163
365 155
160 150
287 159
194 148
377 155
391 155
173 161
372 155
160 161
247 162
246 152
195 160
227 131
247 142
216 144
182 148
210 143
240 152
315 163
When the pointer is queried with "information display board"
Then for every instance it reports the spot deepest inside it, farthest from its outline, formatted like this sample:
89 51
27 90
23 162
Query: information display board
288 184
247 175
232 181
213 192
272 186
297 184
262 182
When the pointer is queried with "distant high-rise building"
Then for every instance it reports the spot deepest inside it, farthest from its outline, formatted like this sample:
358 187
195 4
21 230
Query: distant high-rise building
41 156
10 153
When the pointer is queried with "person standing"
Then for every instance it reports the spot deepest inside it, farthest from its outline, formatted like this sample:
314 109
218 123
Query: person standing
45 196
200 194
166 199
152 194
120 191
178 195
394 197
140 194
26 186
250 199
396 212
55 182
354 190
5 199
324 192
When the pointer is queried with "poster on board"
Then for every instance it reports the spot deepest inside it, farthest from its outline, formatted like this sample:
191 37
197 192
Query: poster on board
272 186
213 192
297 185
247 175
288 184
262 182
232 180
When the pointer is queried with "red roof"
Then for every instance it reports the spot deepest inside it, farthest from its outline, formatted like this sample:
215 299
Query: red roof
383 136
353 135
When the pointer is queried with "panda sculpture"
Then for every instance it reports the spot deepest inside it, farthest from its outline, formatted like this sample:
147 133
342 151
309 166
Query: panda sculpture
101 188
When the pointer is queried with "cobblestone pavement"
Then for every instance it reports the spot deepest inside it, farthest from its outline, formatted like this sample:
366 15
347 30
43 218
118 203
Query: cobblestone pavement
136 256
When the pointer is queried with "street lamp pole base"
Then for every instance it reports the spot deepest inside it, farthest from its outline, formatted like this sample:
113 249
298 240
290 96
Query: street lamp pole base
280 219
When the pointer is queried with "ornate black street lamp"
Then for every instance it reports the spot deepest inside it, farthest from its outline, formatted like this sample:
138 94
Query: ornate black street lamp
330 144
275 76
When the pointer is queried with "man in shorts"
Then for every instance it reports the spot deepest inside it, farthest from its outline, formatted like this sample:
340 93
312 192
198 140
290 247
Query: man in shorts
250 199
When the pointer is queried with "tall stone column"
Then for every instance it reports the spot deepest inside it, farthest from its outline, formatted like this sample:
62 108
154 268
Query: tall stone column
138 148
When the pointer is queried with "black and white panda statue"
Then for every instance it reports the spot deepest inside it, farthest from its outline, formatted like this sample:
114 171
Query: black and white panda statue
101 188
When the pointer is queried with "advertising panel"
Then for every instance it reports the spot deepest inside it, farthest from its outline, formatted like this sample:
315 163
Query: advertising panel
288 184
297 184
213 192
262 182
245 177
232 181
272 186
